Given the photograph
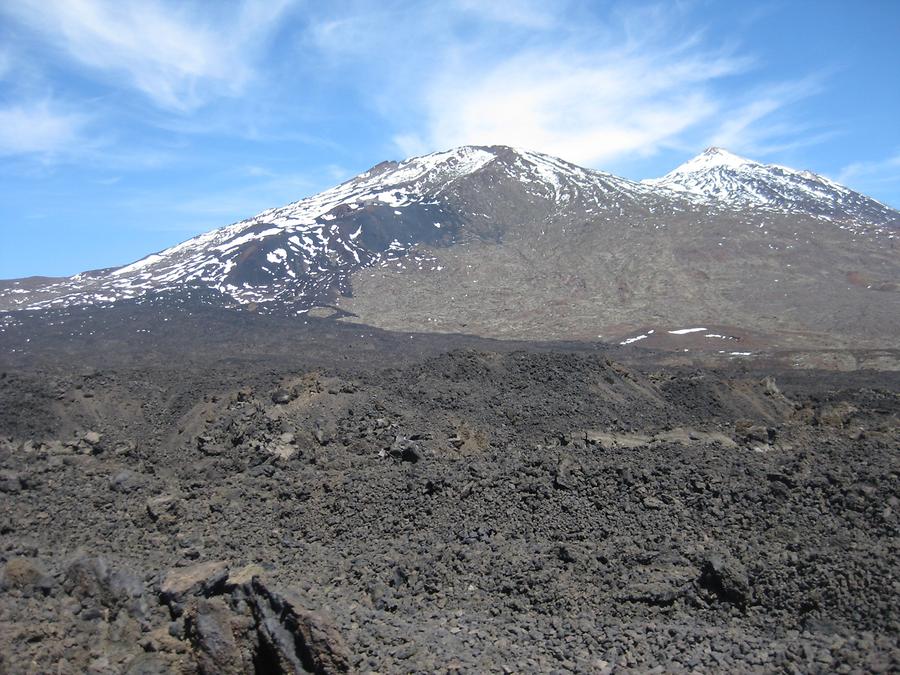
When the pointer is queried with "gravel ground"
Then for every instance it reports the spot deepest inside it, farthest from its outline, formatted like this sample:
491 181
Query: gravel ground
455 508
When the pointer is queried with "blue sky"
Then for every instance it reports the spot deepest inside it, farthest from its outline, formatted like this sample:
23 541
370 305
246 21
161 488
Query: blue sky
129 125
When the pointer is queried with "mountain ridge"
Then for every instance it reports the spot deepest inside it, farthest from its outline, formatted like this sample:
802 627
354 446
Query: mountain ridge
567 251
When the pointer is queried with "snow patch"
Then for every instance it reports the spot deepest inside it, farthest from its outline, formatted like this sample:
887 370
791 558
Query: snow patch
276 256
685 331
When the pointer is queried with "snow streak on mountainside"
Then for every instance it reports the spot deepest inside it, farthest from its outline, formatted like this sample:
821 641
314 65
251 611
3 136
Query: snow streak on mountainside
719 177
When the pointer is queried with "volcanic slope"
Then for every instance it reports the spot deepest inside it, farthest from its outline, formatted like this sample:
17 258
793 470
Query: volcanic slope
508 243
780 268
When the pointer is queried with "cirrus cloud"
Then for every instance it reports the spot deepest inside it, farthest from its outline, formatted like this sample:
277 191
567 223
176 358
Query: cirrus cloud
39 127
555 79
585 107
176 57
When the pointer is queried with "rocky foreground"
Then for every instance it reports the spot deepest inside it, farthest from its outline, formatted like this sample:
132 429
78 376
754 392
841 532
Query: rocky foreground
467 509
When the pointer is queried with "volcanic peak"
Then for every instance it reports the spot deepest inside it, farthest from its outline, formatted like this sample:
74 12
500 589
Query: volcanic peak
712 158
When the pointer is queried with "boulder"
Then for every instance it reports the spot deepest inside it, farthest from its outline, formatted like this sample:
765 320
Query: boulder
406 450
748 432
92 438
296 640
126 481
653 503
11 482
164 509
23 573
215 630
726 579
204 579
95 579
244 575
282 396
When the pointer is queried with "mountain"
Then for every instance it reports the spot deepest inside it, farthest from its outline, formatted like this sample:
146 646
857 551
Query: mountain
302 255
717 176
509 243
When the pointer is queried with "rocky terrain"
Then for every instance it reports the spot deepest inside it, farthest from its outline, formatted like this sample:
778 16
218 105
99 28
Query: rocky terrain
190 489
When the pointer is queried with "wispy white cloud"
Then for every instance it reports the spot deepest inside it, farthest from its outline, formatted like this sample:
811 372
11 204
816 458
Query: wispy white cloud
258 171
522 72
40 128
237 193
178 58
527 13
872 175
410 144
759 121
586 107
548 77
336 172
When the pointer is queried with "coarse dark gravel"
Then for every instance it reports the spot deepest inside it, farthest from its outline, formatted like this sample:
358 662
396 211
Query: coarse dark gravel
476 507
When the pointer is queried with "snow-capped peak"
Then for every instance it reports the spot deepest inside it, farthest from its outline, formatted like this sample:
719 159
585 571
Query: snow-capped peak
447 165
715 174
720 178
712 158
304 252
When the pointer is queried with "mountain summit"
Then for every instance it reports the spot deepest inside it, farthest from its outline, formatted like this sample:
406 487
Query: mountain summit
710 158
717 176
506 242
